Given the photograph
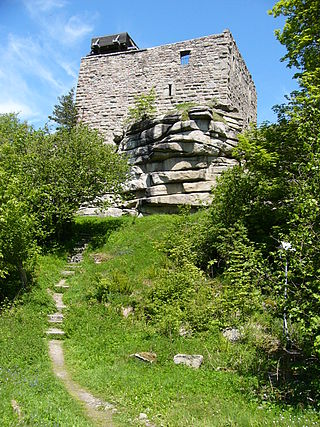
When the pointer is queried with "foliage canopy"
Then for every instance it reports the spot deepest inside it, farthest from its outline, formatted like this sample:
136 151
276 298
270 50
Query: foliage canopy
45 178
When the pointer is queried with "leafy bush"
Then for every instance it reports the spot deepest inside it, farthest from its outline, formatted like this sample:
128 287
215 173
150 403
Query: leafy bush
44 180
144 107
106 289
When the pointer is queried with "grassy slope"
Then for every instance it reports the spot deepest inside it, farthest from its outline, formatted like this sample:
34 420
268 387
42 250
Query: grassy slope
99 343
25 369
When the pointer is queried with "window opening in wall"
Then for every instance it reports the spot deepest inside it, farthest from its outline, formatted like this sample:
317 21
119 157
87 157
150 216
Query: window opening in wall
170 89
184 57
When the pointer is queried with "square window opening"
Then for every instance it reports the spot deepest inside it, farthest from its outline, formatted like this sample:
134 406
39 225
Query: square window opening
184 57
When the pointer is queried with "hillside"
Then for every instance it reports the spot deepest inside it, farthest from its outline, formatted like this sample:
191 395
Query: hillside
126 266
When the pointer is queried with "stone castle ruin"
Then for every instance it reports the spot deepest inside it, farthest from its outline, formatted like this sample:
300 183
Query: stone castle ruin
204 97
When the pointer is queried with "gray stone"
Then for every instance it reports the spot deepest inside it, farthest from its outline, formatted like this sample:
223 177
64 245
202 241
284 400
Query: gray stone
62 284
193 199
195 187
55 318
55 331
219 127
67 273
232 334
156 132
175 161
178 176
126 311
58 300
216 70
184 126
184 331
192 360
171 118
157 190
162 190
194 136
117 212
138 184
202 115
199 109
143 416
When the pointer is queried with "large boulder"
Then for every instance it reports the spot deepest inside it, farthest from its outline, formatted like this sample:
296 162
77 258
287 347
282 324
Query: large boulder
176 159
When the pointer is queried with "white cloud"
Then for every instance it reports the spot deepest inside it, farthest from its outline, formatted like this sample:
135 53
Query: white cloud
36 69
26 54
55 24
76 28
13 106
34 6
69 68
28 79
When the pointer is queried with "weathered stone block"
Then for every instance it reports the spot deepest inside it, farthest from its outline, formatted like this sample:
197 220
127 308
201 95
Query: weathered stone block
192 360
184 126
177 176
193 199
195 187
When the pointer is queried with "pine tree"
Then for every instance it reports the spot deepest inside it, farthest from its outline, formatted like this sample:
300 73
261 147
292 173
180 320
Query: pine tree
65 112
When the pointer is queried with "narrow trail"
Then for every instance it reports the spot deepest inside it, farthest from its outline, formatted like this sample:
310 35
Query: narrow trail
97 410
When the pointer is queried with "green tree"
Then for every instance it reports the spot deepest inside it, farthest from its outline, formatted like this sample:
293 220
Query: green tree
273 195
301 37
67 169
45 178
18 248
65 112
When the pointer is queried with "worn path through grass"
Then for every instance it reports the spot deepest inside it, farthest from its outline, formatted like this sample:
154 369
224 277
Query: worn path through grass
98 411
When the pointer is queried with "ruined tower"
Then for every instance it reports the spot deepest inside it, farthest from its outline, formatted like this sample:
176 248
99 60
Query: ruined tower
201 70
175 159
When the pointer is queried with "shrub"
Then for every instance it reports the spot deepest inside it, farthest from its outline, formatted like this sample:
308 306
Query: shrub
144 107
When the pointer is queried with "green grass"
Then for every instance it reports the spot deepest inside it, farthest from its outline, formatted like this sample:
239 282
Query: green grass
25 370
99 343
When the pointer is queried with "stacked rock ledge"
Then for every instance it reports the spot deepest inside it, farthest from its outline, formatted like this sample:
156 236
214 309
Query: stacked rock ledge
176 158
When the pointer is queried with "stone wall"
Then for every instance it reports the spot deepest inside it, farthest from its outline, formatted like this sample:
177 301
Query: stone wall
215 73
176 158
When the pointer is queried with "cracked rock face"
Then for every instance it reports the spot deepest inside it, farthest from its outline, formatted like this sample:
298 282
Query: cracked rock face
177 161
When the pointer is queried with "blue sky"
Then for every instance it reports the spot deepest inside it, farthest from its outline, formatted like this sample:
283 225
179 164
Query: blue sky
42 42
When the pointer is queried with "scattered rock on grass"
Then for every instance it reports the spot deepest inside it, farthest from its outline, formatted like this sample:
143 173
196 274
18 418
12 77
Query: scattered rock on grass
126 311
143 416
192 360
145 356
232 334
98 258
67 273
184 331
16 408
144 419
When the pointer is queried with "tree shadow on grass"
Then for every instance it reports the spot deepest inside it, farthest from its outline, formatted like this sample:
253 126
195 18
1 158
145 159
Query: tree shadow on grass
92 230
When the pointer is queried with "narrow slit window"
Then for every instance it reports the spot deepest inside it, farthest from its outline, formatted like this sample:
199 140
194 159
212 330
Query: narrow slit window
184 57
170 89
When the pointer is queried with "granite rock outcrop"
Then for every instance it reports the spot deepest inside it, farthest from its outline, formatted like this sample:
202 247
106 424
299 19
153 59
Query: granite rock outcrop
176 158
